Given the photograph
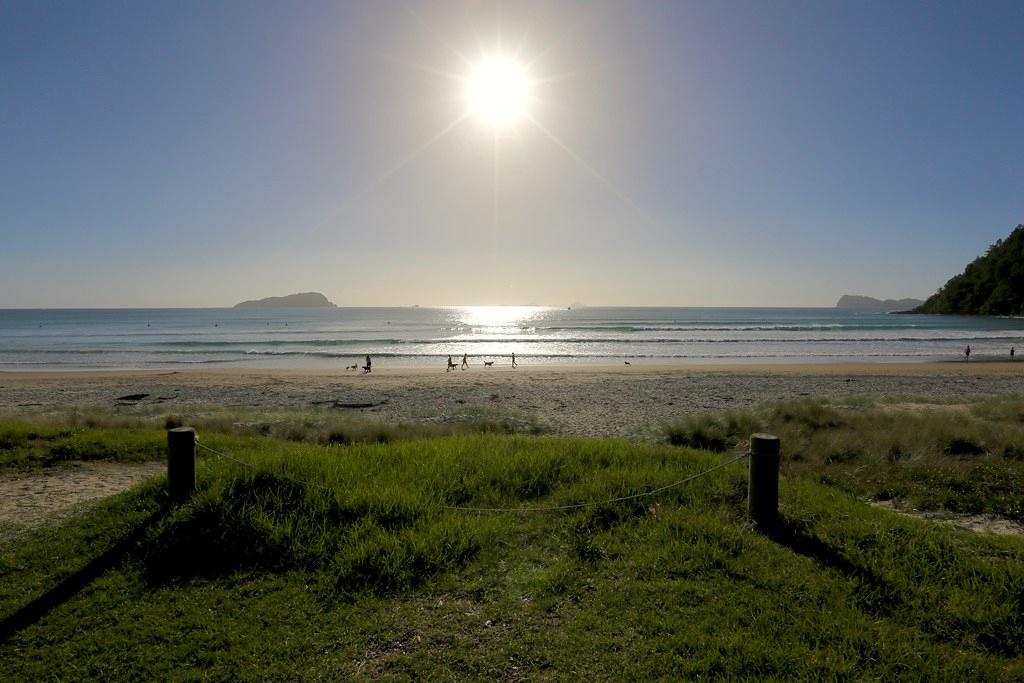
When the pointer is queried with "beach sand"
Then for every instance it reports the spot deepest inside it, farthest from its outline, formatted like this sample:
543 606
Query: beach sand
580 400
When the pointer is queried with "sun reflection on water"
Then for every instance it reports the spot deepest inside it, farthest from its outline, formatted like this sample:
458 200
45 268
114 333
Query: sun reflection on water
499 319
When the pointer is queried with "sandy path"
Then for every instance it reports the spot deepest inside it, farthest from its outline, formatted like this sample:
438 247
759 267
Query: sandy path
979 524
30 498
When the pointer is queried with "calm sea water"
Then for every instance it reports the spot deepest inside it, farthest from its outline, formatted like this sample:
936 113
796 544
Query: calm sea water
331 338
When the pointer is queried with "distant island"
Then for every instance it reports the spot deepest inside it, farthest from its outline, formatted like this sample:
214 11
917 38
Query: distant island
853 302
303 300
992 284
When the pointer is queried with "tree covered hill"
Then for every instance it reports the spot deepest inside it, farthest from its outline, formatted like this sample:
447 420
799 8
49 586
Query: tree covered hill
855 302
992 284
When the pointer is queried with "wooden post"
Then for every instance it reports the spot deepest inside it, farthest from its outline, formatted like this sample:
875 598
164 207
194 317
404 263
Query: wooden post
181 463
763 487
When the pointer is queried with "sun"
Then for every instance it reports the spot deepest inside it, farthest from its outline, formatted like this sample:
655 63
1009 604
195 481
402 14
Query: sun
498 92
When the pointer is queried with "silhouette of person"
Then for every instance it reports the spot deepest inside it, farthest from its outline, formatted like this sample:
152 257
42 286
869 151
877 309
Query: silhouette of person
450 365
513 359
1012 351
967 353
465 361
366 368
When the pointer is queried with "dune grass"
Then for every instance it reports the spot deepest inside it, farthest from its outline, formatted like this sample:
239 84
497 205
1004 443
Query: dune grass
327 562
966 459
48 443
129 435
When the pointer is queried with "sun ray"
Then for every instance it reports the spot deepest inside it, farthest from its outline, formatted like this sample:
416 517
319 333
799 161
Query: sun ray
494 204
435 34
570 30
381 179
554 78
622 196
497 166
497 28
530 23
476 35
544 103
414 66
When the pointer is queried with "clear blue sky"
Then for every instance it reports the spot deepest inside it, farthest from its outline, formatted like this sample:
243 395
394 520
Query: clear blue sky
684 153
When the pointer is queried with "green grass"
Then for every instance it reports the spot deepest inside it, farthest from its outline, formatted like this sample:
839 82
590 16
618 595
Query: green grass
966 459
48 444
135 435
326 562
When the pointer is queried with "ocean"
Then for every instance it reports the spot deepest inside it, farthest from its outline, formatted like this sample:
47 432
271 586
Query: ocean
81 339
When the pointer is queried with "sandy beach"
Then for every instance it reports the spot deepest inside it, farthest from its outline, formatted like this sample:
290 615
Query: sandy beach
582 400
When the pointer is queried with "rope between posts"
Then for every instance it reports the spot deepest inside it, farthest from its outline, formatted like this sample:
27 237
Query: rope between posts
620 499
219 454
253 467
552 508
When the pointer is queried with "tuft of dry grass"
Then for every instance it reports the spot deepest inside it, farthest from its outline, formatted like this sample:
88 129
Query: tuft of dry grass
942 458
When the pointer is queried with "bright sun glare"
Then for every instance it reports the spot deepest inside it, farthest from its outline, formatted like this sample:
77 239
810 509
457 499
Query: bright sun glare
498 92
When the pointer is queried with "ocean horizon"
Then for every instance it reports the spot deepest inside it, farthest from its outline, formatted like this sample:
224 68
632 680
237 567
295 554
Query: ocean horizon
131 338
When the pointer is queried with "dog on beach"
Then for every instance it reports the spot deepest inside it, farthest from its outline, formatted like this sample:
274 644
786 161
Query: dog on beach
488 363
627 362
352 367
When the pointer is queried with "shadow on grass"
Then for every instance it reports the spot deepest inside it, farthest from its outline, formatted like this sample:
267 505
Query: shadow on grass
71 585
874 594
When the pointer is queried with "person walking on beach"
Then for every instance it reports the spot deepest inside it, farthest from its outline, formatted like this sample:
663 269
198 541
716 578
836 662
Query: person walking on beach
369 364
465 361
514 360
1011 353
967 353
451 365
